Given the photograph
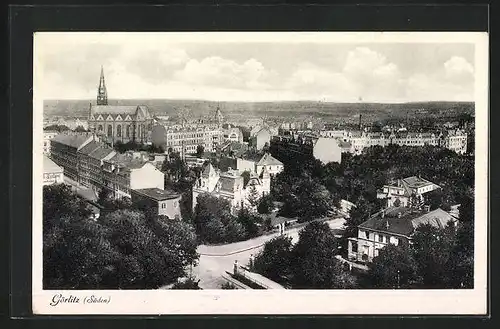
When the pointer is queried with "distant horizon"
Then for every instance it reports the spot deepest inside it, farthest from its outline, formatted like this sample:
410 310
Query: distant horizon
259 102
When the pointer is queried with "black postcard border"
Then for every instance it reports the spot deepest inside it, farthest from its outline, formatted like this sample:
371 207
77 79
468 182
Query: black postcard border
24 20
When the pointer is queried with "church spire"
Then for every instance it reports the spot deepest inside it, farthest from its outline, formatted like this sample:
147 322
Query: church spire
102 94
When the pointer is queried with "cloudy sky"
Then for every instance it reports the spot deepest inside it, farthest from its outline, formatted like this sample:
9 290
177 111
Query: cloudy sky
253 70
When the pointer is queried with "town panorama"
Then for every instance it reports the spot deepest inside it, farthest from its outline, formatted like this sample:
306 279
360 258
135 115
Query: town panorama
199 194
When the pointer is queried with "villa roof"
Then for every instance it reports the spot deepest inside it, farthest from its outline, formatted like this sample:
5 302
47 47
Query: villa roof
408 221
157 194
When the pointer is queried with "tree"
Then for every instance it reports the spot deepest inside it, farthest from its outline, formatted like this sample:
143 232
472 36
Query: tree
432 248
253 196
199 151
394 267
265 204
246 177
214 222
314 265
306 199
60 201
274 261
357 215
250 222
80 129
122 250
174 167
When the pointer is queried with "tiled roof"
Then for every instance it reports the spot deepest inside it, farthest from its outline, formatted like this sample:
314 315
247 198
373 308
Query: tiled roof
414 181
74 141
115 109
50 166
90 147
268 159
408 222
157 194
101 152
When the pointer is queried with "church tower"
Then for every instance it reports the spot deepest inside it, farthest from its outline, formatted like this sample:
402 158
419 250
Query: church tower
219 118
102 94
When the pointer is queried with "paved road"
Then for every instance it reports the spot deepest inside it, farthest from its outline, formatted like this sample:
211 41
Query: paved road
215 260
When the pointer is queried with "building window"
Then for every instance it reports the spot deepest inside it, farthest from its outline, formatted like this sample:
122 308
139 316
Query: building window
163 205
354 246
119 130
127 131
110 131
100 128
375 252
380 238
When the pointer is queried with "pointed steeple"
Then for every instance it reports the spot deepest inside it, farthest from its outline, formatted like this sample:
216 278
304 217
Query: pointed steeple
219 118
102 94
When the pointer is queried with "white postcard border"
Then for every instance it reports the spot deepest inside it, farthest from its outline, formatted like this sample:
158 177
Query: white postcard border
158 302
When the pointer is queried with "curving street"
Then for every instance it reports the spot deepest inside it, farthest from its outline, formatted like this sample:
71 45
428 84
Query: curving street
215 260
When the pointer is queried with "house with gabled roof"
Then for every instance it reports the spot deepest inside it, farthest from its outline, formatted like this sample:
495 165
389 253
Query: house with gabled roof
394 225
231 185
400 192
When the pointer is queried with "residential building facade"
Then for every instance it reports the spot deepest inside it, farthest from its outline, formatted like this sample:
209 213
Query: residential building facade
186 138
47 137
52 173
394 225
399 193
64 152
164 202
230 185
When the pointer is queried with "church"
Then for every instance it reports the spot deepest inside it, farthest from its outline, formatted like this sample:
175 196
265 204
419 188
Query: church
119 123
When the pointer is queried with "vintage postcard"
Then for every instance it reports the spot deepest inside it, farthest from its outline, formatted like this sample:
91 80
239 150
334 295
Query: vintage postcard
260 173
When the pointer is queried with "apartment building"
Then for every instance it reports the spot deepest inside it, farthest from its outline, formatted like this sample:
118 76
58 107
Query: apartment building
52 173
321 148
47 137
64 152
186 138
123 173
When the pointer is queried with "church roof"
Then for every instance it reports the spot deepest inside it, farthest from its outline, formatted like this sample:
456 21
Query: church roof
114 109
268 159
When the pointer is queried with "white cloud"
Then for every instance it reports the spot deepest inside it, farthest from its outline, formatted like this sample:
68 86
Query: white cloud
458 68
147 69
217 71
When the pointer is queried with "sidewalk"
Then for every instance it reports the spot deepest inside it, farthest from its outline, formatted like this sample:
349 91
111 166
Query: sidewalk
238 247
